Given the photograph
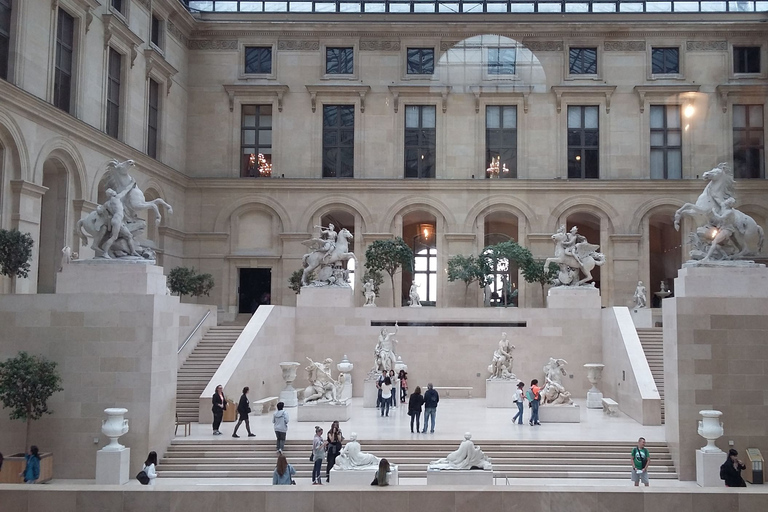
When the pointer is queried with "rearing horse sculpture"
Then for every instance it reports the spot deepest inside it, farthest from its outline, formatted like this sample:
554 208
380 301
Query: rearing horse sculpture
118 179
317 257
584 257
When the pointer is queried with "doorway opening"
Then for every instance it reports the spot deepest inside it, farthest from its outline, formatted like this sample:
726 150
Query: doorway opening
255 289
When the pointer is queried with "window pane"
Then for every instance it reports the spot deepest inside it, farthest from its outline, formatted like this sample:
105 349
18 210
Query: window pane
249 137
258 59
756 116
591 164
412 116
330 115
657 164
657 138
428 117
510 117
739 116
673 116
673 138
265 137
492 117
590 117
591 138
657 116
574 117
674 164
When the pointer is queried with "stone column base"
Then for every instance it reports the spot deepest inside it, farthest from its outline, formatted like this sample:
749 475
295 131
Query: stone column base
573 297
708 468
113 467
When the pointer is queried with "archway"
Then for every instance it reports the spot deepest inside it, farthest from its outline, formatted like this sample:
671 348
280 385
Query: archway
665 255
501 227
419 232
53 223
588 225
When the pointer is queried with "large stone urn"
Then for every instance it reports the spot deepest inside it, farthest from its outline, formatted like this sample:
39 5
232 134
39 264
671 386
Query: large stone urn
288 395
113 427
710 428
594 375
345 368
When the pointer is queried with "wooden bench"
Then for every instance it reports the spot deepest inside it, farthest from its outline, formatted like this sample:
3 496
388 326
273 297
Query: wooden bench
448 390
266 405
610 406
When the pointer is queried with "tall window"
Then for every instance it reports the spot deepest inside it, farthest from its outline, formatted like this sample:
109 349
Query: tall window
425 270
118 5
420 136
666 142
501 61
665 61
5 37
339 61
501 141
114 73
258 59
153 119
746 59
583 142
156 32
256 141
62 80
582 61
748 145
420 61
338 141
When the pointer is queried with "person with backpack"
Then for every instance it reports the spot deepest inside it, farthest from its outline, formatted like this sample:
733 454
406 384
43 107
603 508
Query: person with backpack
731 470
534 397
149 467
519 399
640 460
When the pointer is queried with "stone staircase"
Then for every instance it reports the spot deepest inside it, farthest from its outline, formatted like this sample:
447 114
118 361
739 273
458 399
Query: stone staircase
224 458
200 366
652 340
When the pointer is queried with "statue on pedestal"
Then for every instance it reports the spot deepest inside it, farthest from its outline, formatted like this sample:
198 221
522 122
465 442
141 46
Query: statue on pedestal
723 234
640 297
413 294
554 392
352 457
384 354
369 289
114 225
501 364
573 254
328 252
322 386
468 456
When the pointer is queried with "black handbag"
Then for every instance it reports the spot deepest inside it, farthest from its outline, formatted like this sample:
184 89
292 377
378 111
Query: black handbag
311 456
142 477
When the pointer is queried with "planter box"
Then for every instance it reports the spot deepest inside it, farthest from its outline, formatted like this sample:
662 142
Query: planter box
15 464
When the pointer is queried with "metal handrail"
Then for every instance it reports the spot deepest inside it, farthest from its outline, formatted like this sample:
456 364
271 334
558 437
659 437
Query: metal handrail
208 312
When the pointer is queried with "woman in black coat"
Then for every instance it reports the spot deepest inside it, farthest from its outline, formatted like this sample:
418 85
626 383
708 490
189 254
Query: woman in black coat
731 469
414 407
244 409
218 408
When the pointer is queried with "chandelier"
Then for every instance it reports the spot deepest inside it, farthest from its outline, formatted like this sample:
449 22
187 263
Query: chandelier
264 167
496 168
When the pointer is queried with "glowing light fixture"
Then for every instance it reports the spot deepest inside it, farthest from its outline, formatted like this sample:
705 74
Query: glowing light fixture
689 110
426 231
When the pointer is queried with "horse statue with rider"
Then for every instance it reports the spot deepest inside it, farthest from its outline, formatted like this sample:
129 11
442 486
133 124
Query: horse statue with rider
574 255
328 252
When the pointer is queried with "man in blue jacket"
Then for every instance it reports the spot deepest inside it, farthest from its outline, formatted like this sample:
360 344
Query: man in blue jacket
430 407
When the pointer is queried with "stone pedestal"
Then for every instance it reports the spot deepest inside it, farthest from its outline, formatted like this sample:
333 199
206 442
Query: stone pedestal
642 317
560 413
594 400
114 277
459 477
325 297
289 397
361 477
370 394
573 297
113 467
325 412
708 468
500 393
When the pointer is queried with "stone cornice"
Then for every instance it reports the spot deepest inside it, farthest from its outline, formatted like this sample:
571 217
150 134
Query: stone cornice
755 90
276 90
115 29
206 237
28 188
511 91
626 237
595 90
171 233
662 90
338 90
156 61
419 90
294 236
460 237
46 115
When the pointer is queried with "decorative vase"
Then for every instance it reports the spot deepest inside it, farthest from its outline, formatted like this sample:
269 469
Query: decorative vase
345 368
594 375
710 428
288 395
113 427
400 365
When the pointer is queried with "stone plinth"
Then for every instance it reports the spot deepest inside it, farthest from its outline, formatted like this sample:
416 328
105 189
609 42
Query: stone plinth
325 412
500 393
459 477
289 397
370 394
708 468
722 281
560 413
594 400
642 317
325 296
114 277
113 467
361 477
573 297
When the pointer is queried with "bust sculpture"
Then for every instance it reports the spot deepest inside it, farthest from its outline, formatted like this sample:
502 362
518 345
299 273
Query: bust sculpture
352 457
640 297
554 392
468 456
322 386
501 364
328 254
723 233
114 225
574 256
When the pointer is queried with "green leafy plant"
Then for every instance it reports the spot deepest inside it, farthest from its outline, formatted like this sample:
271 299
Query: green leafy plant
186 281
534 272
389 256
294 282
532 269
470 269
26 384
15 252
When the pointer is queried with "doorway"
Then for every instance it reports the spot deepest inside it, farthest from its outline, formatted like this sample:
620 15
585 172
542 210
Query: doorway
255 289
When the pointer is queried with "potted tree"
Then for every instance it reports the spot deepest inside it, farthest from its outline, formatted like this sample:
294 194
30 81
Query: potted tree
186 281
469 269
15 253
389 256
26 384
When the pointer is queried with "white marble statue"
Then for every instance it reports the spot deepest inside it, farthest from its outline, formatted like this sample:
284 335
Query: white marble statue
640 296
413 294
723 233
501 364
328 253
322 386
66 257
573 254
663 287
352 457
115 225
468 456
369 288
554 392
384 354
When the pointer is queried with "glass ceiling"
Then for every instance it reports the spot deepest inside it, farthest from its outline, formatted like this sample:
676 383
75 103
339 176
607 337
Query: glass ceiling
476 7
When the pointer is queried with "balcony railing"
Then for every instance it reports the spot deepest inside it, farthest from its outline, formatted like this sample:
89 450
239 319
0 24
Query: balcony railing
476 7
